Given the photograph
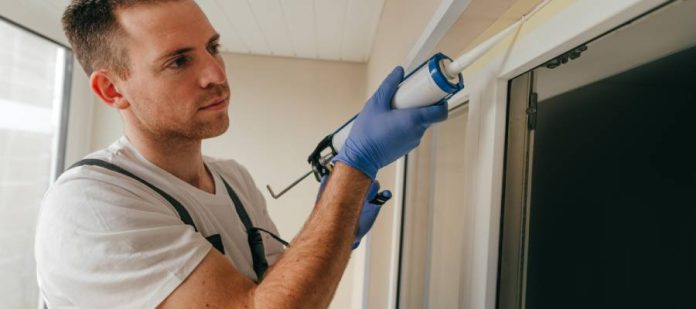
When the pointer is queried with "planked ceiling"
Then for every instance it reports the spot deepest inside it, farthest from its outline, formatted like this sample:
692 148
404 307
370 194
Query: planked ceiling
341 30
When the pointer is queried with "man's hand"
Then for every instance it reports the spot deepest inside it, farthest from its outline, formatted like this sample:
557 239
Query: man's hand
369 211
380 134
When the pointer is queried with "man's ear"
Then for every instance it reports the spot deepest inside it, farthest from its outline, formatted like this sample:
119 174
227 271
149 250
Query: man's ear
104 86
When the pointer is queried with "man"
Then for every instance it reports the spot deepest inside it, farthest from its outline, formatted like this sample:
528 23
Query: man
144 233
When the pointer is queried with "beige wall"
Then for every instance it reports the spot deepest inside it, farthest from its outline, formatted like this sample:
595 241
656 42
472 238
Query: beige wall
280 109
107 126
401 25
82 103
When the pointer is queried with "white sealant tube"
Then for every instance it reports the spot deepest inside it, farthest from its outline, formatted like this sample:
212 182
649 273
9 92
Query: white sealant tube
341 135
418 90
427 85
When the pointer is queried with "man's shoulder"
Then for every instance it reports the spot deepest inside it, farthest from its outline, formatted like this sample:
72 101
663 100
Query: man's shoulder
85 176
94 200
95 174
84 187
89 183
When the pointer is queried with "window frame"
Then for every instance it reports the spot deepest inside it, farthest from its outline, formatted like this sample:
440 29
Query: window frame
62 136
60 145
519 156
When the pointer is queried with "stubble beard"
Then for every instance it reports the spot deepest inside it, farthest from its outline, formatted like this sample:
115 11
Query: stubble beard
193 130
200 130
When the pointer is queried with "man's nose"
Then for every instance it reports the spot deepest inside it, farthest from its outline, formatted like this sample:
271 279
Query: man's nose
213 71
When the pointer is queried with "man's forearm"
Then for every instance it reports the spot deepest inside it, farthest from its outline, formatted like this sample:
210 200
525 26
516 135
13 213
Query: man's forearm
308 273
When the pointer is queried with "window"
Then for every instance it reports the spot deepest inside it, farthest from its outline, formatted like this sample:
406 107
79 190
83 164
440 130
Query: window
437 224
33 116
600 177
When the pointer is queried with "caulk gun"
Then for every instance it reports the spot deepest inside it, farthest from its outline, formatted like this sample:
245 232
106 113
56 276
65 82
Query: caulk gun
435 80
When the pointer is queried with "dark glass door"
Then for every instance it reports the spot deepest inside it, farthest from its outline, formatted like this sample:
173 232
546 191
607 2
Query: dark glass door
612 219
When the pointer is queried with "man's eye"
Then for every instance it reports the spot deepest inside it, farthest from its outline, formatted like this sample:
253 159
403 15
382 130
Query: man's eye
179 62
214 49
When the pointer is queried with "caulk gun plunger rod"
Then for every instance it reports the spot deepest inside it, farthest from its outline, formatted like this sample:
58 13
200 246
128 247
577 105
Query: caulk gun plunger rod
292 185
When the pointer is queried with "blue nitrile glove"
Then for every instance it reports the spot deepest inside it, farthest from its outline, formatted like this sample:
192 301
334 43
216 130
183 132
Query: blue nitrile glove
371 206
368 214
380 134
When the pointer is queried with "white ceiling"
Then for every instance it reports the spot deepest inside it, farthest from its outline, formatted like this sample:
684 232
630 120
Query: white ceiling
341 30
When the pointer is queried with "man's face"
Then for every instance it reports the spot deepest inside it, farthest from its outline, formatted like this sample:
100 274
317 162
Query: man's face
176 86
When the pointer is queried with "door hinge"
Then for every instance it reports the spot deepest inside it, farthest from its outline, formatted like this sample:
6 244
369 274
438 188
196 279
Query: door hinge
565 57
532 111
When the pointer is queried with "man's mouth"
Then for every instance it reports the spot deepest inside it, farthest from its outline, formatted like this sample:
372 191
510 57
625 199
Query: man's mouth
216 104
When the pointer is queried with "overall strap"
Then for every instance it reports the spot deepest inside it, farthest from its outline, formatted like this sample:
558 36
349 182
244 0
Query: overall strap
180 209
241 212
258 253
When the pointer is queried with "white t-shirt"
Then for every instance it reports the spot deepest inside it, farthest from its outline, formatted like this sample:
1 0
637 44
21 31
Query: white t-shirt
105 240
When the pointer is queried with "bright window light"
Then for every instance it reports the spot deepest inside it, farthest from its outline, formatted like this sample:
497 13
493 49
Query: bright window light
31 108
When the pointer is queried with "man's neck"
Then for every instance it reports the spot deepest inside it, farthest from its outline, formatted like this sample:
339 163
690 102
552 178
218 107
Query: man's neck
180 157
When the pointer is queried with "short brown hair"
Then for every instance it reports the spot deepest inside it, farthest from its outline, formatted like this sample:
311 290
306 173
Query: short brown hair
92 28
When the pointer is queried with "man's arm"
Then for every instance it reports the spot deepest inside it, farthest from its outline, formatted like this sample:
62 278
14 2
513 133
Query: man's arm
305 276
